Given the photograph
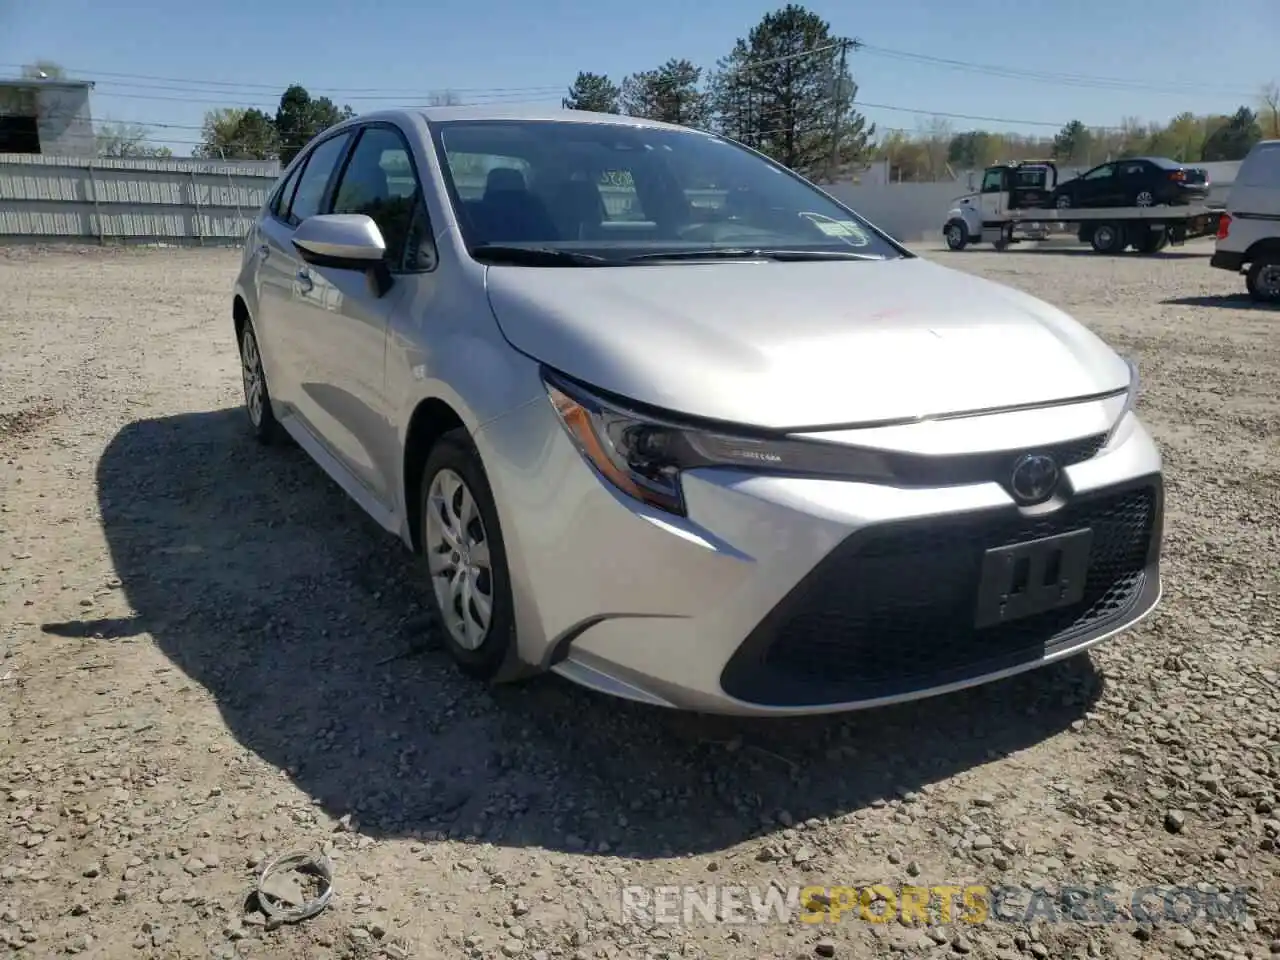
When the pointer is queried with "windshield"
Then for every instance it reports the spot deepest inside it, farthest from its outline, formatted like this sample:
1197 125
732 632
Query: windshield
616 192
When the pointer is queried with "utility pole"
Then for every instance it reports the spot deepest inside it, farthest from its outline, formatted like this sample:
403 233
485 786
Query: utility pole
838 94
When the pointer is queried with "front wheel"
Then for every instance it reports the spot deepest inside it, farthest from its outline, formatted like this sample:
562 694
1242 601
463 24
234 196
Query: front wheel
1263 279
467 561
956 235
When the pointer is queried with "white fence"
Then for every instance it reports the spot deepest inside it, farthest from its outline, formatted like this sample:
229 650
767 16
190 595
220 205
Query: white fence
46 198
193 201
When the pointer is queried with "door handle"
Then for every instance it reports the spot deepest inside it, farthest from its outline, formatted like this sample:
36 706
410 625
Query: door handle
305 281
264 250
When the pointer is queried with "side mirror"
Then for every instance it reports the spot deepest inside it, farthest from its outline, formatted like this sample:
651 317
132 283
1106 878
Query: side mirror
345 241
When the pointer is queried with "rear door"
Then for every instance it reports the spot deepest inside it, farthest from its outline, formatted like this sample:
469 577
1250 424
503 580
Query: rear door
291 338
1138 184
274 285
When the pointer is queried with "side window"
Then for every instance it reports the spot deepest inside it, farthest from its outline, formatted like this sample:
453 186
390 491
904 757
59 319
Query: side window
380 182
993 182
1134 169
280 202
470 171
1101 173
315 177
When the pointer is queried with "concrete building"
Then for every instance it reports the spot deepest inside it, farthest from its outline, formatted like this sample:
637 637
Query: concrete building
50 117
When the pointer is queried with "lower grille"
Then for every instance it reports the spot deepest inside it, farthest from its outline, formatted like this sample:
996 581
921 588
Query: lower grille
892 609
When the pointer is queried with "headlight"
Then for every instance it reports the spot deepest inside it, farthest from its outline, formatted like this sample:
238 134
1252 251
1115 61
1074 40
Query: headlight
644 454
1130 401
1131 398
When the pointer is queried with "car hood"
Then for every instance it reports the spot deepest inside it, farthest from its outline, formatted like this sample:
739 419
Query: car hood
786 345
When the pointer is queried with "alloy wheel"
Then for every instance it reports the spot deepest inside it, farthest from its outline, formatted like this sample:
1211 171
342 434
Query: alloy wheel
251 372
1145 199
457 549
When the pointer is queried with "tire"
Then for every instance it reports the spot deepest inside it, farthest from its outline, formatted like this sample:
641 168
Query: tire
1144 198
1263 279
453 475
1107 238
956 234
1153 241
1062 202
257 398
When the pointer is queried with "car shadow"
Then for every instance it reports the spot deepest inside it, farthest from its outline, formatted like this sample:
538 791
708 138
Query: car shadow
1231 301
261 581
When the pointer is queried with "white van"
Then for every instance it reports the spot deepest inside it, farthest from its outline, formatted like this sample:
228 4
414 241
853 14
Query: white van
1249 232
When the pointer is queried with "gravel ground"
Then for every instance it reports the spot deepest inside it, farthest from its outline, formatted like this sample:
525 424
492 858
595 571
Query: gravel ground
208 656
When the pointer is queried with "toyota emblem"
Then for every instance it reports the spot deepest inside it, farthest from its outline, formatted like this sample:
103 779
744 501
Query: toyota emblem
1034 478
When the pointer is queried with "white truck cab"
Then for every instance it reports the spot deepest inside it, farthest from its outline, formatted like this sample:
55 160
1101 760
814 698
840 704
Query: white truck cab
980 216
1249 233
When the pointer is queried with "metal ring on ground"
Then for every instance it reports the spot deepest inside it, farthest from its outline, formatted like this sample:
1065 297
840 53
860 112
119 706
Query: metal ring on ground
320 865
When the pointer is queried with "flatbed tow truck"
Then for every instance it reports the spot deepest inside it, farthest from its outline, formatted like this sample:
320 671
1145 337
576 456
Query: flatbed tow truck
1013 205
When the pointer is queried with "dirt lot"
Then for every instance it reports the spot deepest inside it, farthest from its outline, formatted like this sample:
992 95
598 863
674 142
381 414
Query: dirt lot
207 658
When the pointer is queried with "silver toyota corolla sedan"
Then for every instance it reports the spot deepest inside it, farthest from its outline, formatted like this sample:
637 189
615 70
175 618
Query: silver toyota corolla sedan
670 421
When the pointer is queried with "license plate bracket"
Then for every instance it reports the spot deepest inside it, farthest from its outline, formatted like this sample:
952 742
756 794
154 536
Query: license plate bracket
1023 579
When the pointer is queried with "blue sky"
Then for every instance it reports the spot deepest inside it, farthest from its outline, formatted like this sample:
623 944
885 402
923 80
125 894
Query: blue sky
1169 55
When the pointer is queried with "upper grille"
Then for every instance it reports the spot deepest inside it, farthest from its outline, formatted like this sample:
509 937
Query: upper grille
892 610
918 470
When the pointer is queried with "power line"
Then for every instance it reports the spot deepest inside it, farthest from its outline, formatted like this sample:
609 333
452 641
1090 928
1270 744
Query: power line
1060 79
399 95
281 87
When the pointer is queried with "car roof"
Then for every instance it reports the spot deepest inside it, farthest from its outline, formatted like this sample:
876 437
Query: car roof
510 112
1164 162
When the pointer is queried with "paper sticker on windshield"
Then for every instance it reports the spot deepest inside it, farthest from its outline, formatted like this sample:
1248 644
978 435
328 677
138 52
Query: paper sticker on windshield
842 228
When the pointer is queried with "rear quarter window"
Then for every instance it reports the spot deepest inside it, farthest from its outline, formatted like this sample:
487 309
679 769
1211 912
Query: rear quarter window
1261 168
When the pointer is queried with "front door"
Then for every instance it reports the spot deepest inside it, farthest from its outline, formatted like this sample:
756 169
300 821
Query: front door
345 380
1100 187
992 200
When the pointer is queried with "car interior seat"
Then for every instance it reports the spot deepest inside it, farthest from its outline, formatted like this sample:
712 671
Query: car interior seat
511 212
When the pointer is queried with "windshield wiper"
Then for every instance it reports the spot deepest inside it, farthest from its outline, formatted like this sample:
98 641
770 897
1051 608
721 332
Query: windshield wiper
748 253
535 256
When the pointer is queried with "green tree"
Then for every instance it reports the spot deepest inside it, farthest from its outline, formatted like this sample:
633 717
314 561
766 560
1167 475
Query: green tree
1181 139
907 157
300 118
236 133
974 149
1235 138
594 92
122 140
671 93
1072 143
782 91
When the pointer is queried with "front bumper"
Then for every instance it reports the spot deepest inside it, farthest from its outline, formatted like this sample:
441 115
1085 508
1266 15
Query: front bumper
783 595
